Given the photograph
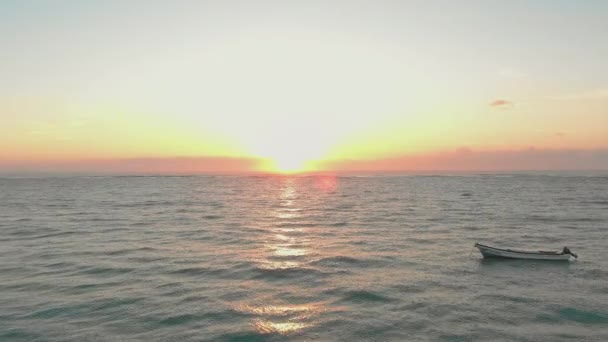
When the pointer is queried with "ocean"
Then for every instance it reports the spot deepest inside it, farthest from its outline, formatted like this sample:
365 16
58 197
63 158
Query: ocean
310 258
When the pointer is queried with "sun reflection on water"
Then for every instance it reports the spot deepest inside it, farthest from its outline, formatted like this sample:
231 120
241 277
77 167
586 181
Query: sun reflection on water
282 251
327 183
301 310
288 246
288 214
286 243
284 319
285 328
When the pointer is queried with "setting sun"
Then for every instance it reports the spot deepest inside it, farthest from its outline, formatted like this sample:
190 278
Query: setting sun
289 160
288 164
291 146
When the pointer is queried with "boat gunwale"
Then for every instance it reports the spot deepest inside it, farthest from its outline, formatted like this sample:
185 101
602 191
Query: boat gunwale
520 252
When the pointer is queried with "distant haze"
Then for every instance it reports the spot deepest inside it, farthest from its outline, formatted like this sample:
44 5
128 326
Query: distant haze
461 160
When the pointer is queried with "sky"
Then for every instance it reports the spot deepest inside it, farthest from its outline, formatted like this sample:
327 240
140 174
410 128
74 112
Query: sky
287 86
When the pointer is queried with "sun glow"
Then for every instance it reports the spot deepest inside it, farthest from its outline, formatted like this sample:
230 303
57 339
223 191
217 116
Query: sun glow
289 147
288 164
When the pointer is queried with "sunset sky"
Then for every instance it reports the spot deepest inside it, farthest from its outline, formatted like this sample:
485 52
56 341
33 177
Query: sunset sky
240 86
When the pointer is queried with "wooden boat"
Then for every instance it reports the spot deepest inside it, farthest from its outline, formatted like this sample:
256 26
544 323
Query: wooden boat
493 252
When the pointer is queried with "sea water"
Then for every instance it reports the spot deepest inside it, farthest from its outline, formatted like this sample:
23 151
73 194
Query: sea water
327 258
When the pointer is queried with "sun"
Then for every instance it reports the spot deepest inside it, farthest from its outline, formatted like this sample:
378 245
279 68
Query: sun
289 163
289 146
289 157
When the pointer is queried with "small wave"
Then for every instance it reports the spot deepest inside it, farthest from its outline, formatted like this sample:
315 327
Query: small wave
78 213
115 302
105 271
423 241
576 315
28 232
130 250
145 259
594 274
286 273
365 296
505 298
196 271
295 225
409 288
585 219
208 316
553 219
336 260
28 287
347 261
61 311
216 204
54 205
55 234
60 264
89 287
138 224
79 309
19 335
94 219
212 217
602 291
242 336
343 207
31 234
360 242
599 202
144 204
178 319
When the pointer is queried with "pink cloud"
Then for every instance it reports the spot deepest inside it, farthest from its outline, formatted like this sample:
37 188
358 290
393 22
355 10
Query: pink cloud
471 160
501 103
463 159
170 165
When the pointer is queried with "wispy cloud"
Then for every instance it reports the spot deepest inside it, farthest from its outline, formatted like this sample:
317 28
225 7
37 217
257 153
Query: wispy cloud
501 103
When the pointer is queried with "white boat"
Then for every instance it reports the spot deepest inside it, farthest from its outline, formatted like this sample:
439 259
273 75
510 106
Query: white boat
493 252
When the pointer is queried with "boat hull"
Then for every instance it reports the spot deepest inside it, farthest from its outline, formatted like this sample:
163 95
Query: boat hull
491 252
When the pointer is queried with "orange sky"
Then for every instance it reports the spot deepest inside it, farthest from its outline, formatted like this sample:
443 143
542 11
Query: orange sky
272 86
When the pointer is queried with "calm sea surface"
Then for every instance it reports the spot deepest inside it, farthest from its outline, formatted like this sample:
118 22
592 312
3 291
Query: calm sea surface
301 258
